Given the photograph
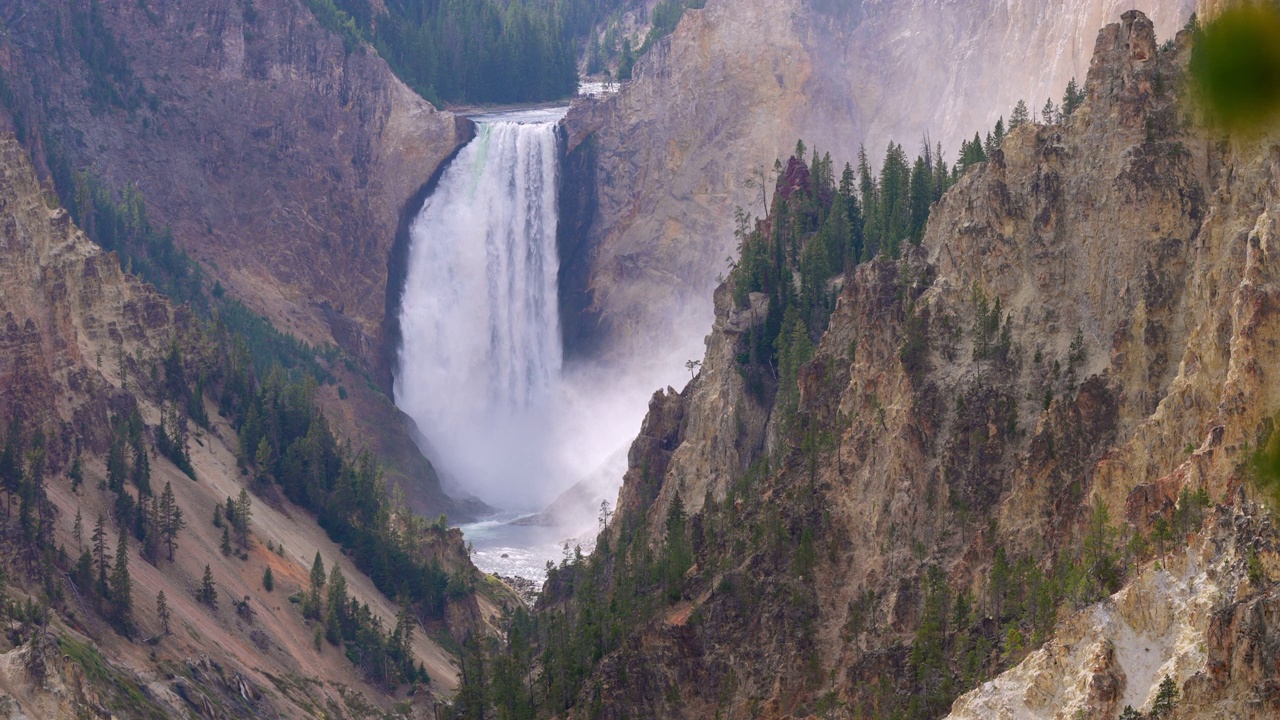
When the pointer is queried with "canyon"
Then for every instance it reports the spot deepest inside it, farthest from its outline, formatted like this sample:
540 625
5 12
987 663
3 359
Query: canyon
1005 472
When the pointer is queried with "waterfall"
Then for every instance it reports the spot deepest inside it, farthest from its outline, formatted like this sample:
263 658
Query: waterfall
481 352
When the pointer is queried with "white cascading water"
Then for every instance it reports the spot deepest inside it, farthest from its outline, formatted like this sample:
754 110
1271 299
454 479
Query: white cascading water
481 352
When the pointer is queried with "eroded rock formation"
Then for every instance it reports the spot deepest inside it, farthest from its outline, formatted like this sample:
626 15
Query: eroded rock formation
1133 255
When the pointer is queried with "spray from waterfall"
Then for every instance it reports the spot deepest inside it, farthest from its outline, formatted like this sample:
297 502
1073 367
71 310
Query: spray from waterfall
481 366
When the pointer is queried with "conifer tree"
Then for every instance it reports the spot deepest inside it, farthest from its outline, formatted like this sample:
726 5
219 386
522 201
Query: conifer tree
1166 699
268 580
31 498
11 461
1072 99
317 573
101 557
401 642
337 605
1049 113
474 680
243 515
171 519
337 586
76 473
262 460
78 531
333 625
1021 116
208 592
312 607
920 195
162 611
117 468
676 548
122 586
141 470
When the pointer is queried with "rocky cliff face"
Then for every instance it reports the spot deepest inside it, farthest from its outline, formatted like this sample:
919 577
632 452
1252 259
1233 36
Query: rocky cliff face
668 159
75 325
1133 260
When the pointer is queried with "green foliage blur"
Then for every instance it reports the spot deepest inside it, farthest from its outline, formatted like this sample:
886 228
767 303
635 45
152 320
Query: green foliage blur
1236 67
472 51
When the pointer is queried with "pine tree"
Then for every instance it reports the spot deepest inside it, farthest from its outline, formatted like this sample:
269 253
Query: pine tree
1099 555
226 542
122 586
920 196
144 529
337 586
1049 113
262 460
333 625
312 607
217 515
171 519
208 592
471 690
336 615
401 644
83 576
76 473
1130 714
11 460
141 470
972 152
78 531
317 573
243 514
32 499
1021 116
162 611
1072 99
268 580
676 549
101 557
117 468
1166 699
628 61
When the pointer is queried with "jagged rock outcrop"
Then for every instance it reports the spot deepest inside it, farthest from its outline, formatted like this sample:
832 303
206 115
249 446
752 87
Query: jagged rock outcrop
75 326
669 158
1129 260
